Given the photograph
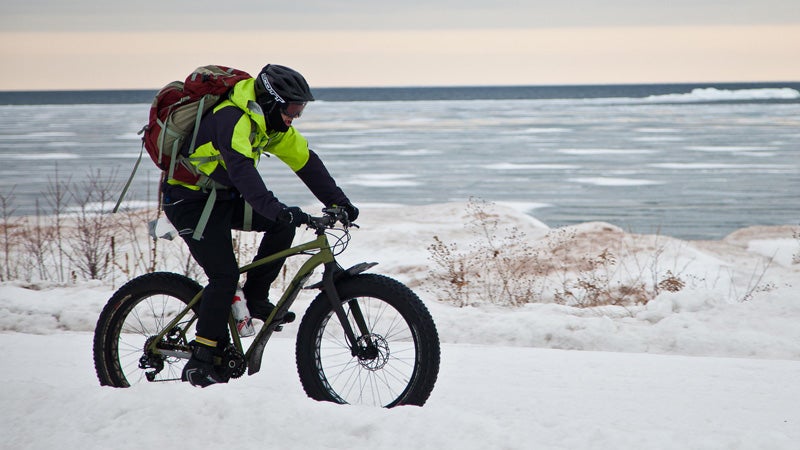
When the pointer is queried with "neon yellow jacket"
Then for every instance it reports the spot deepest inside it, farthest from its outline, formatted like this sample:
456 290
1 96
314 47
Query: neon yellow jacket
229 145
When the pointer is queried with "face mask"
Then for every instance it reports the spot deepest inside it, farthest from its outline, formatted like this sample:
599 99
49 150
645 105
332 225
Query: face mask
274 120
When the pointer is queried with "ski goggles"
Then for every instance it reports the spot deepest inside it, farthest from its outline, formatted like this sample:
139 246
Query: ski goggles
293 110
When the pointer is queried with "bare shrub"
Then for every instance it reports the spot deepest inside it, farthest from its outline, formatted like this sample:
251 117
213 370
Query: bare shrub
596 285
245 245
453 280
500 264
37 243
505 267
624 270
755 284
612 270
56 197
141 255
671 282
9 232
77 238
91 237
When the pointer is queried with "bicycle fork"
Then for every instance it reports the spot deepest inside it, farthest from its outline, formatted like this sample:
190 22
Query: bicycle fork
333 295
361 343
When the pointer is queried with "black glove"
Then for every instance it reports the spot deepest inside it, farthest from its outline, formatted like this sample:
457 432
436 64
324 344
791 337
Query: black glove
293 215
352 211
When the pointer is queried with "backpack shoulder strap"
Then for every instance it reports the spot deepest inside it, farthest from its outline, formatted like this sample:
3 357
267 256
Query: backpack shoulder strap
130 179
205 215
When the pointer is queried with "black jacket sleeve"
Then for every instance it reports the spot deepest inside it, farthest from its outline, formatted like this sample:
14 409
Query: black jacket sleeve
247 180
320 182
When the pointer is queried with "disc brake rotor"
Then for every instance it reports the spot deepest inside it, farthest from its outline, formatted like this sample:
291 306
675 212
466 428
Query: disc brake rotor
373 352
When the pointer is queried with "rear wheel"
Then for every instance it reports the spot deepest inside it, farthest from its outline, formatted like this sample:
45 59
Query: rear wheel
132 318
396 357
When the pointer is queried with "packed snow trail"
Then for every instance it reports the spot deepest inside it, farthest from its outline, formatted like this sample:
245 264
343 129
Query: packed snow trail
486 397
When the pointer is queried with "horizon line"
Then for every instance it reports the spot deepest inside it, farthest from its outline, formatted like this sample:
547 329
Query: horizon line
451 86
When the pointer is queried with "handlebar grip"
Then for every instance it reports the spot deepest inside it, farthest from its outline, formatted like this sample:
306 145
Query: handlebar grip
332 215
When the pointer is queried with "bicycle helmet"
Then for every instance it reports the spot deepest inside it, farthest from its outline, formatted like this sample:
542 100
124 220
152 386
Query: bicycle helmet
277 86
281 84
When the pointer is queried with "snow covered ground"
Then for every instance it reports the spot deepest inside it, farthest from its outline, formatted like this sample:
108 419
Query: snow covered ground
713 365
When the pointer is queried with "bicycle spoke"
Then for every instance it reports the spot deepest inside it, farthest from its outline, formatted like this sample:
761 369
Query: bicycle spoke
145 320
372 378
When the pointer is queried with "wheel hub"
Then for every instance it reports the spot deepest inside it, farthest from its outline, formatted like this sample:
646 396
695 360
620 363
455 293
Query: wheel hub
373 353
149 360
171 346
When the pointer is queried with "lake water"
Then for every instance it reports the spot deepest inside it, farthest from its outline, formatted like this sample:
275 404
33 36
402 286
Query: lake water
695 162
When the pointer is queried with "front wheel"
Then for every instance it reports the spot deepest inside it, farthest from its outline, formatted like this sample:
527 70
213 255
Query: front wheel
395 360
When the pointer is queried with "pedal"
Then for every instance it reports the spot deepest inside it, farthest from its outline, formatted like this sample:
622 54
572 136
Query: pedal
288 318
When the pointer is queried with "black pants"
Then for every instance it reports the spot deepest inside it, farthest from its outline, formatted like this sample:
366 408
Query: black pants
214 253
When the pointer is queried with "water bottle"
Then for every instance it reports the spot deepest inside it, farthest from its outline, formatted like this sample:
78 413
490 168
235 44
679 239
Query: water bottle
244 324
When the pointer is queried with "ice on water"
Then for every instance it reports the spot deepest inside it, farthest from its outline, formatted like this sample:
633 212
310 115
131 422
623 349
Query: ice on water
693 165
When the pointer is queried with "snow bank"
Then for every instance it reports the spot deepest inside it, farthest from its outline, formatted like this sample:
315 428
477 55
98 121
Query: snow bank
739 297
632 386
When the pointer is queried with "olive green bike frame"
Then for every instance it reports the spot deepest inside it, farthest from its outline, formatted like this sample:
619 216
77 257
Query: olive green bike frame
322 255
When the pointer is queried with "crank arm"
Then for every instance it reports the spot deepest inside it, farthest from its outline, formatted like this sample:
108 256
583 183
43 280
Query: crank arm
182 354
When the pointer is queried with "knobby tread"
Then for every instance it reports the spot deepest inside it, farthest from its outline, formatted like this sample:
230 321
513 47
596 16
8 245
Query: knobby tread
116 309
399 297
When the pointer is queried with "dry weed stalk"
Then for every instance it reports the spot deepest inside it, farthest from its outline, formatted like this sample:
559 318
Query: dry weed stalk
494 270
504 267
796 256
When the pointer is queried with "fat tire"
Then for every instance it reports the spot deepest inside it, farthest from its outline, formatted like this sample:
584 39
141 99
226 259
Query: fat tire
119 306
393 298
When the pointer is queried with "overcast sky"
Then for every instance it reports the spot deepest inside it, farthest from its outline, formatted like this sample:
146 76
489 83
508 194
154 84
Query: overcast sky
101 44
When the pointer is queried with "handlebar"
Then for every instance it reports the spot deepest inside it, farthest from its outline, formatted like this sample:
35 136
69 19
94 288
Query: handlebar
329 220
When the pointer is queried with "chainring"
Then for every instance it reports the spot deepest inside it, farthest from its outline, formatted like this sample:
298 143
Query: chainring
233 363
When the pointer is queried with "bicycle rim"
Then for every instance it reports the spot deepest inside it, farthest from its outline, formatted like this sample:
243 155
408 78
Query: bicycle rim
380 376
137 326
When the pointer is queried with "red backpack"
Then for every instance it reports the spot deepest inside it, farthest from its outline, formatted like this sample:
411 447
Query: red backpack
175 116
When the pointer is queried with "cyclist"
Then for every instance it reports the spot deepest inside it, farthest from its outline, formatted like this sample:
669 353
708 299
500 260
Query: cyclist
256 117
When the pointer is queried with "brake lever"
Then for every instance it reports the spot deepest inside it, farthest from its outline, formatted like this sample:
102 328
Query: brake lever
340 215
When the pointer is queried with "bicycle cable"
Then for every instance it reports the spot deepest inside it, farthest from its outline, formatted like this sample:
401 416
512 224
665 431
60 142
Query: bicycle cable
340 238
